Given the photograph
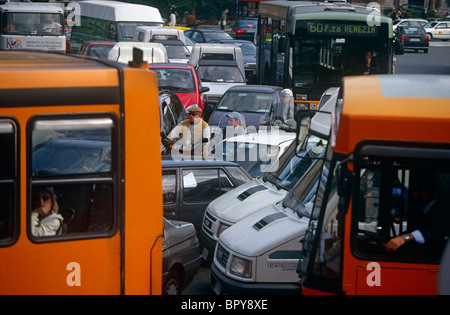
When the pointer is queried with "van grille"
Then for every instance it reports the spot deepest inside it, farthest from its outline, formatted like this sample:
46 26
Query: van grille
208 222
222 256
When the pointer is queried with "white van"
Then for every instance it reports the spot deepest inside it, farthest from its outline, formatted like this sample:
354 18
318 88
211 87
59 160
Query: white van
219 66
257 194
259 254
111 20
173 39
149 34
122 52
32 26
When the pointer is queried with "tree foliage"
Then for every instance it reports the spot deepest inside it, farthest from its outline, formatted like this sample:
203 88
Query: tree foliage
204 9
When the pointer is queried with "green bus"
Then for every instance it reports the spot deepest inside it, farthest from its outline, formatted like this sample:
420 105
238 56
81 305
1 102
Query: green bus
310 46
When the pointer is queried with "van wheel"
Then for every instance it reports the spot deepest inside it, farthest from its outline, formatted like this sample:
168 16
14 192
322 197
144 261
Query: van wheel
425 51
173 285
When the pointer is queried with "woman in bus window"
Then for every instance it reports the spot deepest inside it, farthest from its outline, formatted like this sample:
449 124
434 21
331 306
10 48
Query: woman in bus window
45 219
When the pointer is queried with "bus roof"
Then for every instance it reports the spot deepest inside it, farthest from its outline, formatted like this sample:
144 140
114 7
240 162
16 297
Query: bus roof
394 108
119 11
306 10
31 7
85 74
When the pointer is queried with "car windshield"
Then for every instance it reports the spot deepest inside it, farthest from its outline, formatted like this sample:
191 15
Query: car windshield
247 24
414 30
125 30
178 80
177 52
251 102
255 158
210 36
30 23
100 51
247 48
291 167
430 24
220 74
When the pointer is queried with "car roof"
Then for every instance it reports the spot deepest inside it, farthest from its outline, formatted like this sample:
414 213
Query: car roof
255 88
170 65
167 161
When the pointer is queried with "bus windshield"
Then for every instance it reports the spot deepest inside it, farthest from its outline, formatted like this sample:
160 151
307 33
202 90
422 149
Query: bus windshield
32 23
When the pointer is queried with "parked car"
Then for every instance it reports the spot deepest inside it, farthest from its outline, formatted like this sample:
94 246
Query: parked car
249 53
244 29
408 23
190 185
440 30
181 256
415 38
252 101
206 35
96 48
183 80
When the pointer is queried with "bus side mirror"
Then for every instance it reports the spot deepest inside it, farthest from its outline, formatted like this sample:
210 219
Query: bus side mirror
344 189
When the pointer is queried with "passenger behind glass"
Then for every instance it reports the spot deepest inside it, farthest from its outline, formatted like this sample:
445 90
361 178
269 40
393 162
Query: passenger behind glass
45 219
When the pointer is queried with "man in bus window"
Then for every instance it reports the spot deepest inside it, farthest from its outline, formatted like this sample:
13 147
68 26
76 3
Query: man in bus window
51 26
422 212
369 64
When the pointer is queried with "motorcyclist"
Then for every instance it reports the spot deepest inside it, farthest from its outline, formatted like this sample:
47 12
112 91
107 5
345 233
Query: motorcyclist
282 114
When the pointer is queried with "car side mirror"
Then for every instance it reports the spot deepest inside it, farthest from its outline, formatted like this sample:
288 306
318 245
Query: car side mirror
204 89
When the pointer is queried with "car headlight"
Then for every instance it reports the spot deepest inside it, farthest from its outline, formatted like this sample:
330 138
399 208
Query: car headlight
222 227
241 267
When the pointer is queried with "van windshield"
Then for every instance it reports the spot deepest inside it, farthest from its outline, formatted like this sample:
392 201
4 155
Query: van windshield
125 30
179 80
32 23
220 74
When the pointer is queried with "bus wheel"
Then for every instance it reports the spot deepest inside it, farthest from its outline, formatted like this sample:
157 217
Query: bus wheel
173 285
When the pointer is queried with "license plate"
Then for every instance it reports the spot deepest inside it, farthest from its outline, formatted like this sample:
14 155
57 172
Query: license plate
205 253
414 39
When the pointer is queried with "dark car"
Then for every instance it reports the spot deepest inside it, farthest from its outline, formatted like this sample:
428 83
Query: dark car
190 185
244 29
249 53
206 35
415 38
181 256
252 101
399 41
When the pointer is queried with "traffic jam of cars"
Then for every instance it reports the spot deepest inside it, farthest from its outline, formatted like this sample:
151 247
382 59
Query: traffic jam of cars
231 199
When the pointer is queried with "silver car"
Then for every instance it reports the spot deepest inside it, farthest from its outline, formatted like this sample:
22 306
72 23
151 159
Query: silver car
181 256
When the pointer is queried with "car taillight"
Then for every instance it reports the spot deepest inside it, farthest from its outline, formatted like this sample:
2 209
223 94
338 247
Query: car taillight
403 37
240 31
427 38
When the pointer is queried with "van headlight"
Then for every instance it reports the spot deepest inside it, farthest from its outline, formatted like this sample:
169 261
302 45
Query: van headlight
241 267
222 227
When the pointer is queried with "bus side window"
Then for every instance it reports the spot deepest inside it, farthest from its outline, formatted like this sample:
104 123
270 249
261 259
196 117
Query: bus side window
74 158
8 173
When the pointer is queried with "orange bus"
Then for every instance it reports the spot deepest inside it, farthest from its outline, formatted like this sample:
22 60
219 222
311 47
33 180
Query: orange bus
389 166
80 177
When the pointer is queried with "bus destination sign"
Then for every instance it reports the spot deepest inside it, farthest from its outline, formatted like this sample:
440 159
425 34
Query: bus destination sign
325 28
